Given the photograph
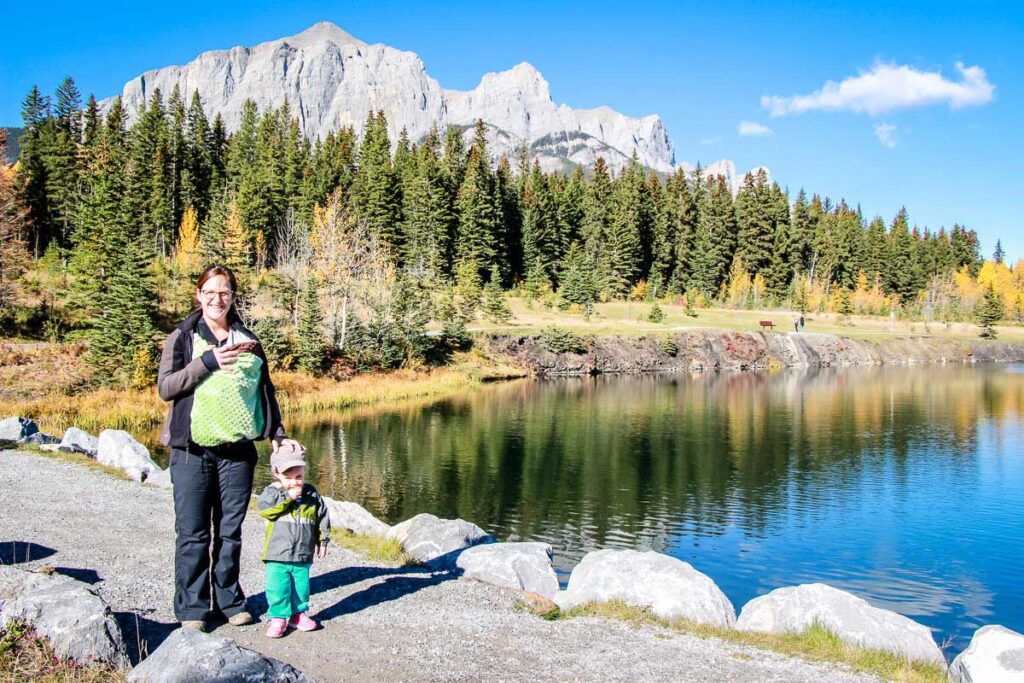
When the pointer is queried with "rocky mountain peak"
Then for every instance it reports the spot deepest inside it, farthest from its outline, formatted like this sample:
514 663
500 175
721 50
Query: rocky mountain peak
332 79
321 32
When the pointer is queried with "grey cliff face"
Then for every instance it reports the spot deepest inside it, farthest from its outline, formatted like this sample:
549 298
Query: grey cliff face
331 80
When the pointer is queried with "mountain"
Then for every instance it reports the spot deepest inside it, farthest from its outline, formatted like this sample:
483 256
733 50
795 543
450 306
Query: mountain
332 79
13 148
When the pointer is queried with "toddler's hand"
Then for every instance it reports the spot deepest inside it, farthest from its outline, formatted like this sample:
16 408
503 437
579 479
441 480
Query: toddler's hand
294 492
321 551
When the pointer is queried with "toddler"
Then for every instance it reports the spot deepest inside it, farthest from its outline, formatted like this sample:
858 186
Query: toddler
297 526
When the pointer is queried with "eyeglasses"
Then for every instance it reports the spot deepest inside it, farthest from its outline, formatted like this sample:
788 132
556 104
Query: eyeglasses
211 295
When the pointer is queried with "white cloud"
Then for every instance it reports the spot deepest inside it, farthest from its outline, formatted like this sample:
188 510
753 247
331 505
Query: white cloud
753 128
885 134
887 87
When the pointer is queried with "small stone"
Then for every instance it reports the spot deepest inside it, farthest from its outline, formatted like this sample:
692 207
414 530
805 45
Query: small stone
159 478
76 440
15 430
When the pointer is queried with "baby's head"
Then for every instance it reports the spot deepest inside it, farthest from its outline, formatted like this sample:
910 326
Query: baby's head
288 465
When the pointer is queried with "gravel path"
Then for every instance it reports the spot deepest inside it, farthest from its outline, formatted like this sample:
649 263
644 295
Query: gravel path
380 623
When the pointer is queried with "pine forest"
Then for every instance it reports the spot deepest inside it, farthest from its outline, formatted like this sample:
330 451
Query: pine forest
361 241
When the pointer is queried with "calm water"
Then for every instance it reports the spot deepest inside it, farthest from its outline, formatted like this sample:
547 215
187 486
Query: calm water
902 485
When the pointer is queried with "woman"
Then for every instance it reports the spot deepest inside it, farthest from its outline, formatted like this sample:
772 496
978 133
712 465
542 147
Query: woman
214 373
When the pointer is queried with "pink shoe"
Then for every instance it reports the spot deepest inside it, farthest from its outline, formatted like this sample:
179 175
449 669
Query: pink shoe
302 622
276 628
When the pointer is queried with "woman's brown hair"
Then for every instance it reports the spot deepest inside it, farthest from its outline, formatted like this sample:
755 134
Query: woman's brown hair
212 272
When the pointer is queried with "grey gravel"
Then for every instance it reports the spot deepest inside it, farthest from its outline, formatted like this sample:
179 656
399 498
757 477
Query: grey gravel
380 623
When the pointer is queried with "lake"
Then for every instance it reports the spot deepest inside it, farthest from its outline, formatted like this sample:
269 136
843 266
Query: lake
904 485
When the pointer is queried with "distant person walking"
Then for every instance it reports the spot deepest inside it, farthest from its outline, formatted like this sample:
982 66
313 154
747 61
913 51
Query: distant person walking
214 373
801 322
796 324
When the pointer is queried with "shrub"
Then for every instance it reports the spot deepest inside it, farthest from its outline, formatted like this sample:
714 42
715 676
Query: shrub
656 315
557 340
668 346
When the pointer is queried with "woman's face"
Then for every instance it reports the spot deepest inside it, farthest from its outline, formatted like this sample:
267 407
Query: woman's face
215 298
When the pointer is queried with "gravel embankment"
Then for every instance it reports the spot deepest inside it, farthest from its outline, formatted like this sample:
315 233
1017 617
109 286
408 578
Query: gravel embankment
380 624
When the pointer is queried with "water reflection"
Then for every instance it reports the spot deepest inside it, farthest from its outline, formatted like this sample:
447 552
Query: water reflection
903 485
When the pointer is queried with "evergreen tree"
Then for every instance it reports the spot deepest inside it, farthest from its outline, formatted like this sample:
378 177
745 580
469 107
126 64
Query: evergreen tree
755 224
510 239
540 222
375 189
577 281
902 269
681 210
876 262
197 174
309 348
275 344
479 209
150 192
14 255
845 304
428 214
32 170
177 152
715 239
493 305
627 229
989 312
998 256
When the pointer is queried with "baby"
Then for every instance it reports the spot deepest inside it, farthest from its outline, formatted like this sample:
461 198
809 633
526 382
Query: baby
297 525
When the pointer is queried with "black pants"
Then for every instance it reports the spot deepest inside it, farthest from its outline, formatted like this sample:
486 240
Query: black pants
212 489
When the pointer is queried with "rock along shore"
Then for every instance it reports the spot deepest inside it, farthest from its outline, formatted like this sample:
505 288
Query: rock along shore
380 623
701 350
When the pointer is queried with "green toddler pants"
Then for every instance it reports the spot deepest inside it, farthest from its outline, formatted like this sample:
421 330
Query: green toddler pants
287 588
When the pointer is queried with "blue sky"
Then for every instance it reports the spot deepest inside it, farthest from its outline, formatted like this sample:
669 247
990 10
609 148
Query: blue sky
907 127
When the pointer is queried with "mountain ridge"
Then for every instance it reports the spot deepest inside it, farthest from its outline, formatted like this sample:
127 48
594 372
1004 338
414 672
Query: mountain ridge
332 79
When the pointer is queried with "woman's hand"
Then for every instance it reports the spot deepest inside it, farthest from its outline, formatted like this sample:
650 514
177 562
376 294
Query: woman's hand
226 355
321 551
291 443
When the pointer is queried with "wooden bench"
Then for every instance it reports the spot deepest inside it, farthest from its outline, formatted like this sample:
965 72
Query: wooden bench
766 323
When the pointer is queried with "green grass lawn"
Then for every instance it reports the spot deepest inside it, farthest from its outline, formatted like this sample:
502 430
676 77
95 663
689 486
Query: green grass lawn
631 318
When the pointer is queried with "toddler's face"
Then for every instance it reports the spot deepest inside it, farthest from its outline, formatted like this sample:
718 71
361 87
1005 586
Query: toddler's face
293 477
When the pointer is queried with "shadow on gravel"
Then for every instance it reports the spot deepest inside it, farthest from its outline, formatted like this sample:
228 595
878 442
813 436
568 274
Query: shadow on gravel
391 588
88 576
142 636
14 552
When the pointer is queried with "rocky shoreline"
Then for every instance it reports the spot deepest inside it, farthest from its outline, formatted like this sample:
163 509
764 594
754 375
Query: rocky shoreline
79 619
703 350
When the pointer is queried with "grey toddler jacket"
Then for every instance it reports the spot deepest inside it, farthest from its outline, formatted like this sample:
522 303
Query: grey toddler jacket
294 527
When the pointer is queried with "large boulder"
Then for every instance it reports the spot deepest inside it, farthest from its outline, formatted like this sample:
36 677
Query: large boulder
523 566
77 623
670 587
797 608
118 448
431 540
76 440
188 656
995 655
16 430
354 518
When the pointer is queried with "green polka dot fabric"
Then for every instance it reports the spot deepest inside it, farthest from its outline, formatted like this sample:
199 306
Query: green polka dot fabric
226 406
